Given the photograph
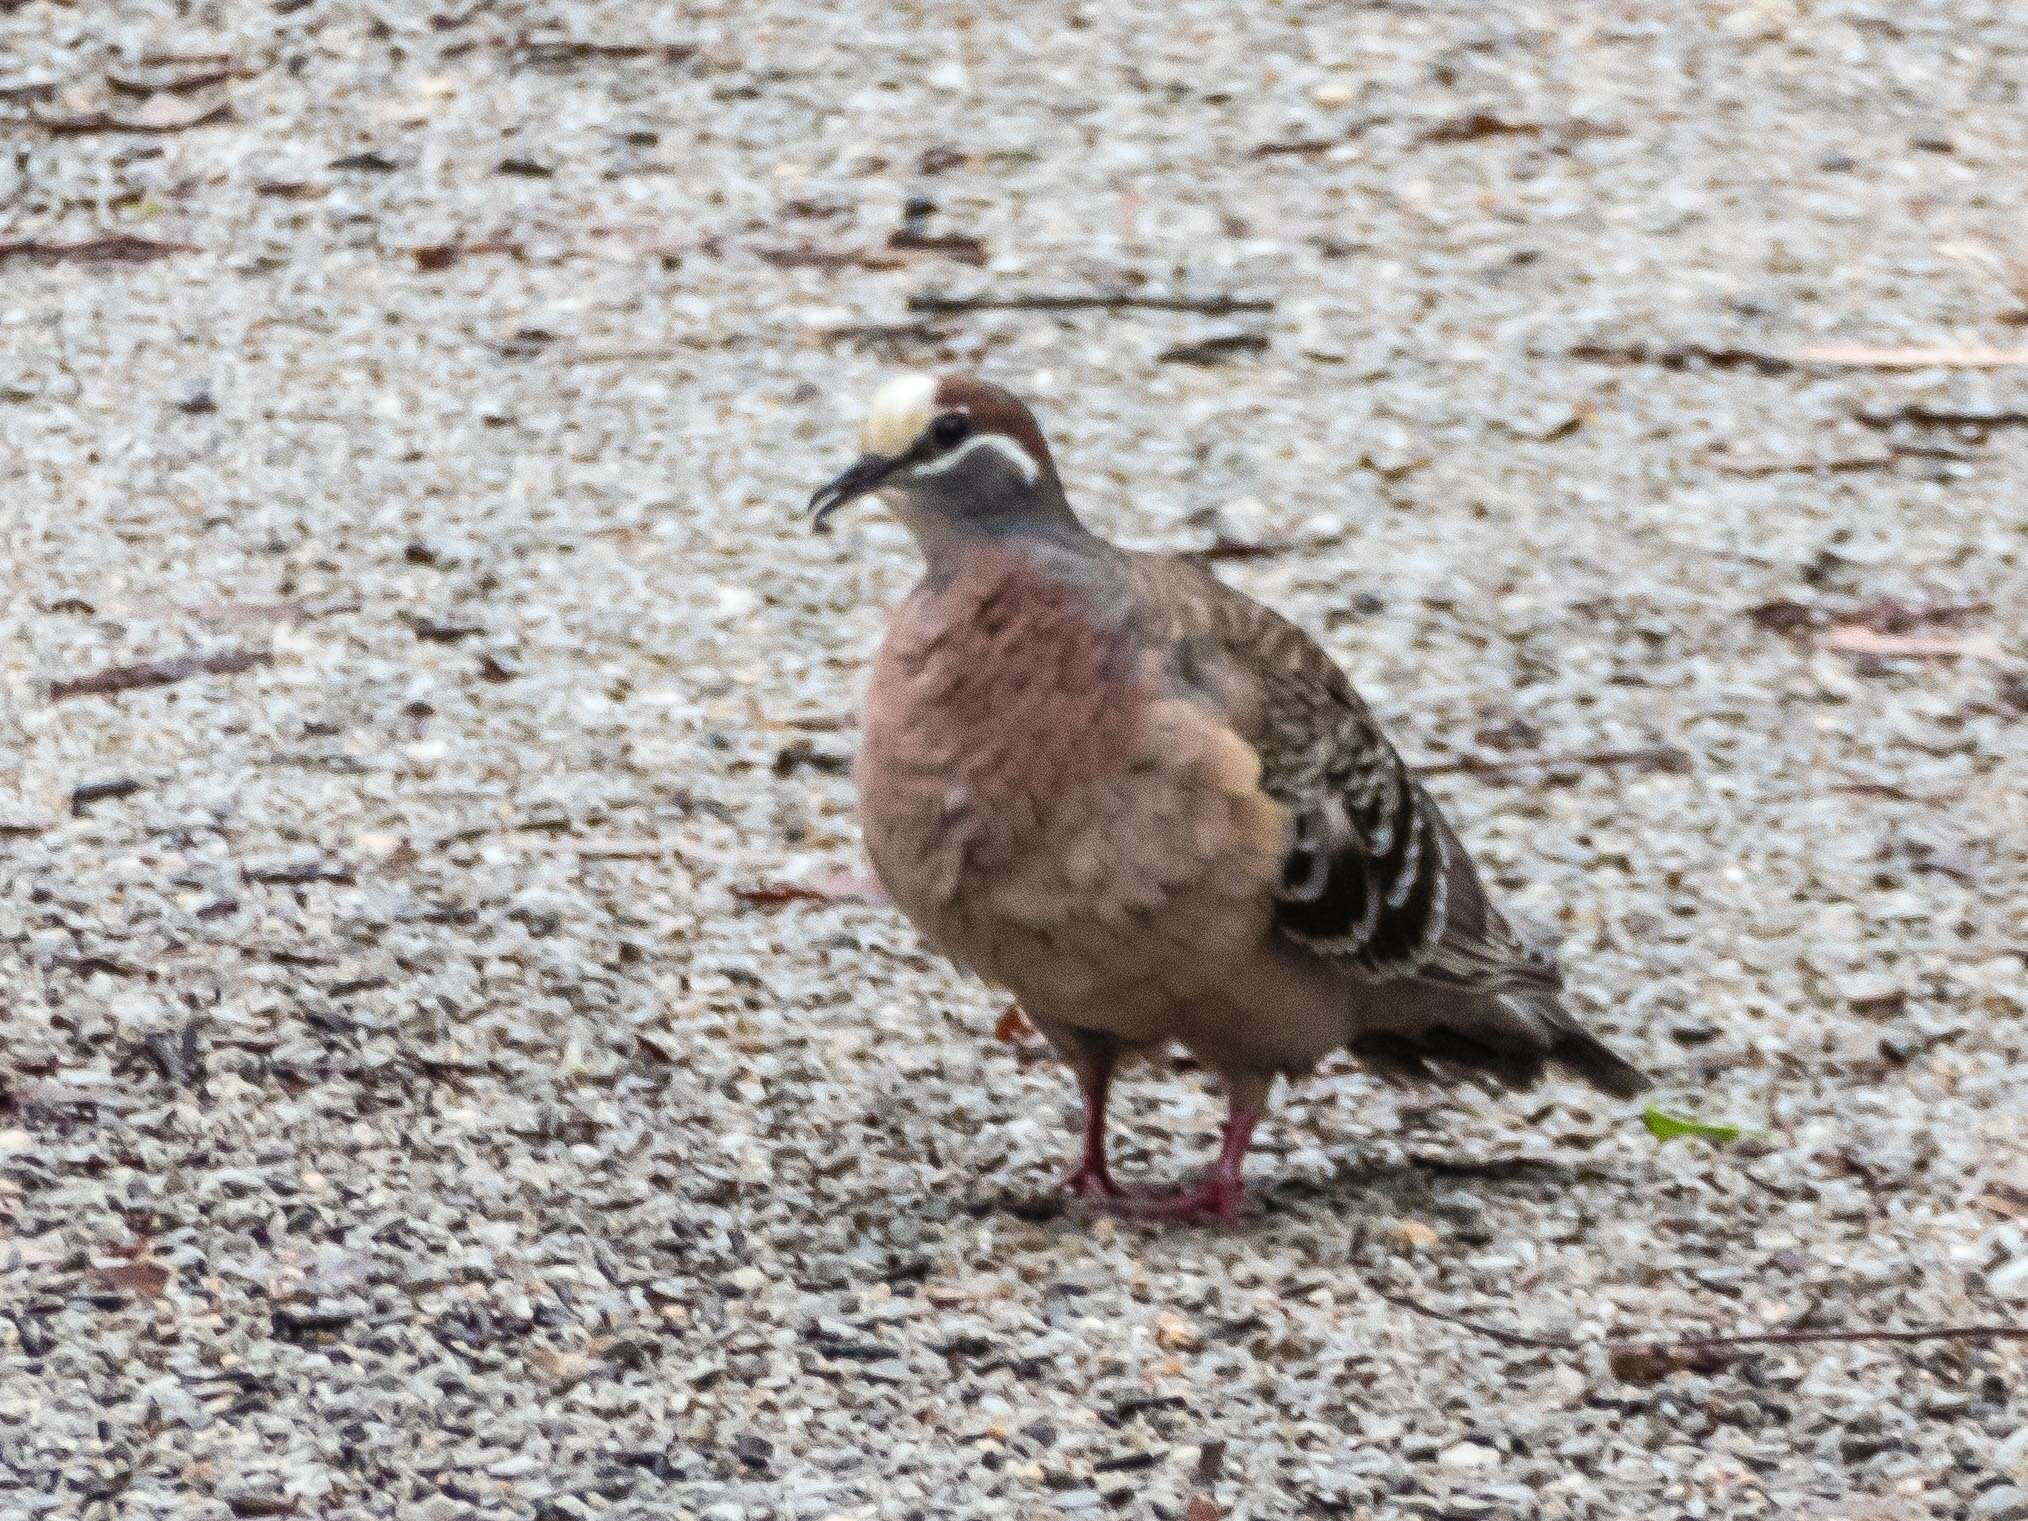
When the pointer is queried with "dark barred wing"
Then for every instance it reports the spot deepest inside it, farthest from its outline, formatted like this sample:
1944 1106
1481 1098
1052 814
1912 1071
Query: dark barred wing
1368 878
1377 880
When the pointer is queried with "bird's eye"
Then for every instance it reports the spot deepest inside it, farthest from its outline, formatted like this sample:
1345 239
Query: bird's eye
949 429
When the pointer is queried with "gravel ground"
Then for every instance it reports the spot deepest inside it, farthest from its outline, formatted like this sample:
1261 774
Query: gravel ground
437 1079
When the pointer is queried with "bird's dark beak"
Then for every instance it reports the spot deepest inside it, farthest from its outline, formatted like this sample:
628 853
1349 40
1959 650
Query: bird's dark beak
864 476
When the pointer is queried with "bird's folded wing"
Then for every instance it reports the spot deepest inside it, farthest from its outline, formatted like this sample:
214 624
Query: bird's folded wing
1376 879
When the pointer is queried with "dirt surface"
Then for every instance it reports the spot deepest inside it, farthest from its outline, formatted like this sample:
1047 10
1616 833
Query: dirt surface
439 1077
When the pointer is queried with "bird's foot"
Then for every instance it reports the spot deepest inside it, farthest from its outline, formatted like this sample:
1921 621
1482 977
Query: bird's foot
1215 1201
1092 1181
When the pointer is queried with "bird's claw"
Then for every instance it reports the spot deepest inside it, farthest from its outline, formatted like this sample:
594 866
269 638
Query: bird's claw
1093 1183
1215 1201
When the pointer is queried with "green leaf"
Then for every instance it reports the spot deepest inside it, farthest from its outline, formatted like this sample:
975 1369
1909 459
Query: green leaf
1664 1126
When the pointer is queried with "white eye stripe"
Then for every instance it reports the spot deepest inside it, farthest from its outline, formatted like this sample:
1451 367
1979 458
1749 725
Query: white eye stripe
1012 452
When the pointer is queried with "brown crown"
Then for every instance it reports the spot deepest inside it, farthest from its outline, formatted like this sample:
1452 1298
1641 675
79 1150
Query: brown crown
993 410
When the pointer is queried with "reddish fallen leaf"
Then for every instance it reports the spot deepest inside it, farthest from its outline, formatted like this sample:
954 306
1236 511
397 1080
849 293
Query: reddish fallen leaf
1858 639
1013 1027
148 1279
775 894
1202 1508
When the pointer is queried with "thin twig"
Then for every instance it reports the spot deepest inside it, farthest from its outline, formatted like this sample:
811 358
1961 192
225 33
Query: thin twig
158 673
178 85
1657 1355
105 122
1494 1333
115 248
1214 350
1097 301
1798 1338
569 50
881 332
808 256
1651 757
1822 356
1684 356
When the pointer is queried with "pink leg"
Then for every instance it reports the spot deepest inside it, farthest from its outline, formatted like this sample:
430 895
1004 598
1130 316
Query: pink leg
1092 1179
1217 1197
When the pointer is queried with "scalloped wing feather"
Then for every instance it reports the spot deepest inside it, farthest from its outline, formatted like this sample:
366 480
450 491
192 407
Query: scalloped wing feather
1376 879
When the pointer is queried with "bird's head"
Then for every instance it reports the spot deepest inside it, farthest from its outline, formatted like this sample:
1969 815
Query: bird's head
951 455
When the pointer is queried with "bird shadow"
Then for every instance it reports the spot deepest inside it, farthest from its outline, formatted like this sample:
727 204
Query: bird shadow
1405 1183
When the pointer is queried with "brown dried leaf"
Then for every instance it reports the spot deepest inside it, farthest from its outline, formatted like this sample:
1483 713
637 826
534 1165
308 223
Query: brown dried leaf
1202 1508
261 1505
1013 1026
960 246
1785 615
147 1279
1477 126
434 257
1646 1363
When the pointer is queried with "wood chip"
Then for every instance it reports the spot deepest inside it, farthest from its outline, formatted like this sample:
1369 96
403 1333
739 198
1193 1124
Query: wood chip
1858 639
1869 356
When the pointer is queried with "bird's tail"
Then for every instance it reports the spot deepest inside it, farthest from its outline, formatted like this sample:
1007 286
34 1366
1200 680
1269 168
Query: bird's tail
1503 1040
1585 1055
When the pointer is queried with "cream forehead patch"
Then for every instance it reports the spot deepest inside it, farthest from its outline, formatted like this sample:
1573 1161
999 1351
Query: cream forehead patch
901 410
